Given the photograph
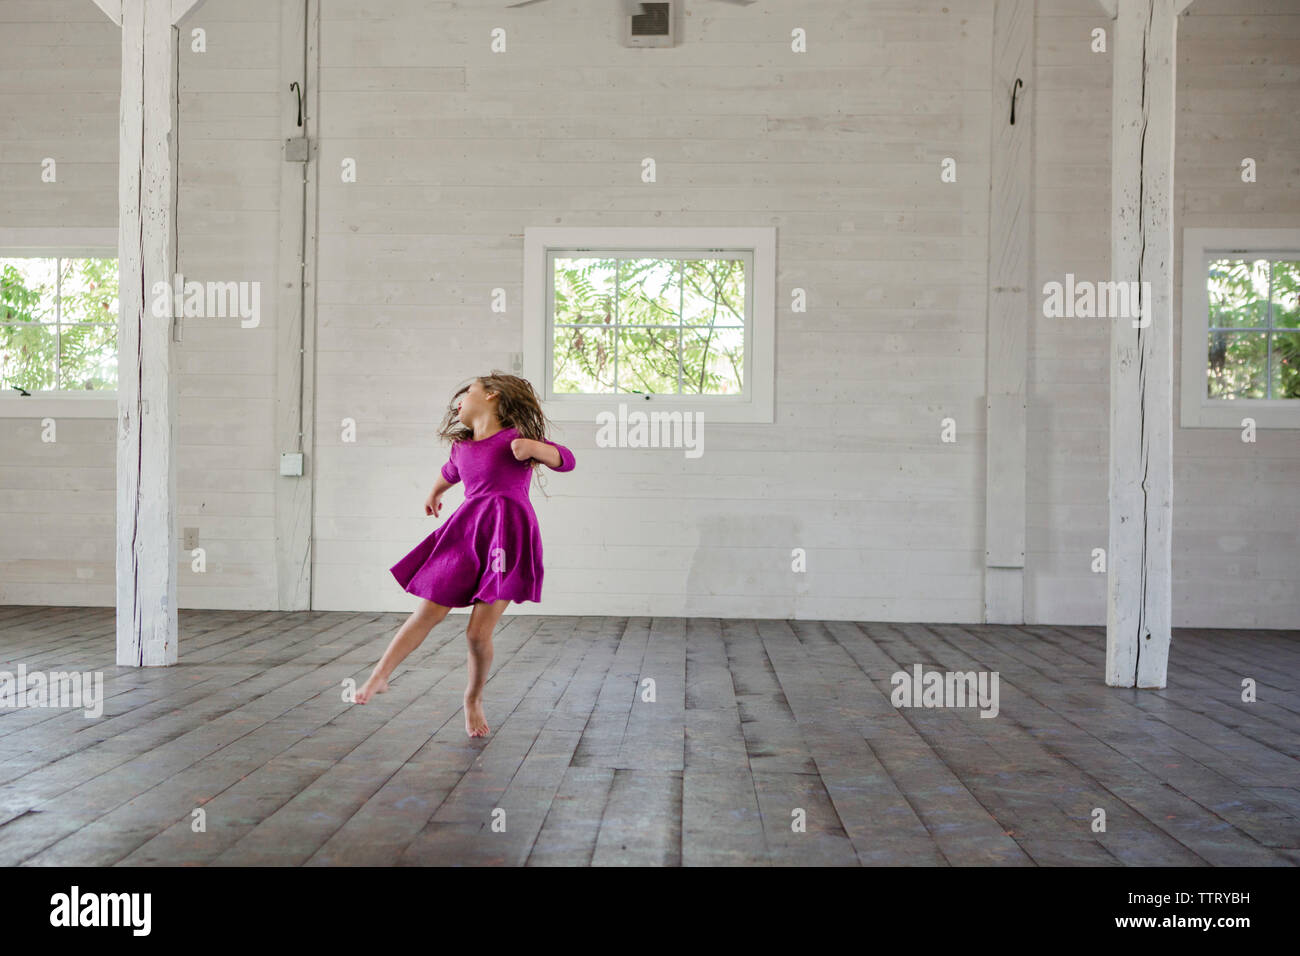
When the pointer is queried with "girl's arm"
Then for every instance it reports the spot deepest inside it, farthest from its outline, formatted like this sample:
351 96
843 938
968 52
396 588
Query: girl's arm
547 452
448 476
433 504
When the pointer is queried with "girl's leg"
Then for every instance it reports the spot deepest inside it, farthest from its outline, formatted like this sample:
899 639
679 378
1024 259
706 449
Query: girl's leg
482 621
410 636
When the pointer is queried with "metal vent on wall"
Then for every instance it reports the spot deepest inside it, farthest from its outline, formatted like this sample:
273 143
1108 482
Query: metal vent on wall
645 23
653 27
655 22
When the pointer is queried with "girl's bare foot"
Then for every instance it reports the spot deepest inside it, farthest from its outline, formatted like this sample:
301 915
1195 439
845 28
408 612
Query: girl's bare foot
476 724
373 685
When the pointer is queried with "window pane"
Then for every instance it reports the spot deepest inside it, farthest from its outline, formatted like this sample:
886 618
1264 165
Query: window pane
1286 365
1238 290
649 293
713 292
46 341
713 361
88 290
88 359
584 291
1286 294
27 290
28 337
27 356
647 360
1237 365
584 361
618 322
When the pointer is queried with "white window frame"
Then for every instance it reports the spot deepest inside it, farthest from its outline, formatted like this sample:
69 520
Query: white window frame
68 243
1200 245
756 402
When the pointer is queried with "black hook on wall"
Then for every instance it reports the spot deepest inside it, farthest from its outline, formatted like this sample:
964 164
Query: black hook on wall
1014 89
294 86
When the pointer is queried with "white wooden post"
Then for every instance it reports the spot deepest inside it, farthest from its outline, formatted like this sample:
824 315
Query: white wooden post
295 339
147 552
1139 569
1010 210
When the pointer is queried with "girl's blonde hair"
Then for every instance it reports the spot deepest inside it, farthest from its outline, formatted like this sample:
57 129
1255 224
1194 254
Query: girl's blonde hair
518 407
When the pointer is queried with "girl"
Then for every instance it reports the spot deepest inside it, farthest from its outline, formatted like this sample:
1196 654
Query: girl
489 551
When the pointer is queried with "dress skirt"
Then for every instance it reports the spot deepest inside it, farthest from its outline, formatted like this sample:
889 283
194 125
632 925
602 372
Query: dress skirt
488 549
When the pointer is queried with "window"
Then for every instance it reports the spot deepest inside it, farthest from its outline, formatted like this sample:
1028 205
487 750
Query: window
1241 327
670 319
58 323
58 338
643 323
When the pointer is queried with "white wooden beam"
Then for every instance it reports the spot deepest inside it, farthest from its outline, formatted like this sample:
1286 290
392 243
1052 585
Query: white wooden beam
112 9
295 317
182 8
1138 592
1009 313
147 553
1111 7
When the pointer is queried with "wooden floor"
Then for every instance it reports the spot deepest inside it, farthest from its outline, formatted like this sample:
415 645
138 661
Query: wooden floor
752 719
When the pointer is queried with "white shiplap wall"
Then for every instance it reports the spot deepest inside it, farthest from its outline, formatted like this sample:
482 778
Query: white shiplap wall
1236 536
230 144
59 80
459 150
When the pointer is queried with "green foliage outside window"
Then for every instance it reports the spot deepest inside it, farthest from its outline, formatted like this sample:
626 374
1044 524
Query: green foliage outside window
663 326
58 324
1254 337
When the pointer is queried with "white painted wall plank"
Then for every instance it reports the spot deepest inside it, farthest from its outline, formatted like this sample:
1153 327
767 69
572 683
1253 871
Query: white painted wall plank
405 91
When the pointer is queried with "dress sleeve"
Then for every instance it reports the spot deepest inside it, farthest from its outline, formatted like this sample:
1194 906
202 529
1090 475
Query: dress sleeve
449 471
566 457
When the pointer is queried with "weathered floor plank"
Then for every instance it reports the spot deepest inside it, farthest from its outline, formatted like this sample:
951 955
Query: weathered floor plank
763 743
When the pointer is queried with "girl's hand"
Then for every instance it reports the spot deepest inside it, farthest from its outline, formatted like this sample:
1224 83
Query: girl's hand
433 504
522 448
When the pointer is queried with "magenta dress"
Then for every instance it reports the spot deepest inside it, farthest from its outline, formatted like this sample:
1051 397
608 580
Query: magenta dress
490 547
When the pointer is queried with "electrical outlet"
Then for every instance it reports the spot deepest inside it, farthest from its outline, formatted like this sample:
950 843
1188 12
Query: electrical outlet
191 538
